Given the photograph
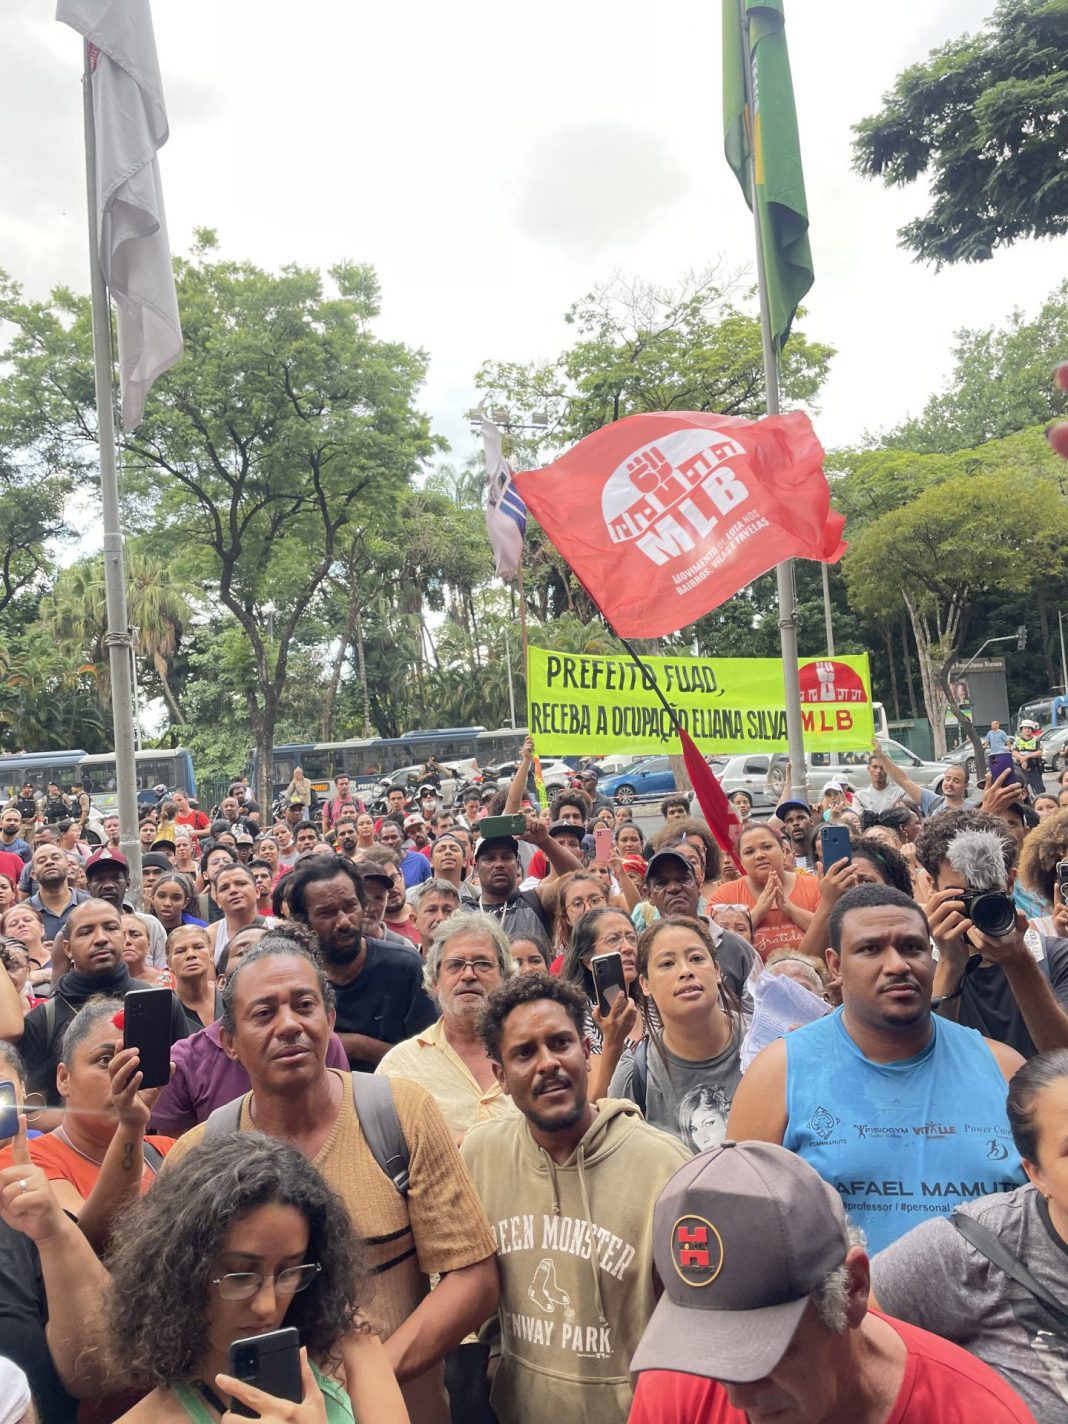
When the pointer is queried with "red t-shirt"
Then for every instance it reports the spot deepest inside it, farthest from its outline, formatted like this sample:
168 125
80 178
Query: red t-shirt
196 819
61 1163
11 865
776 930
407 929
942 1384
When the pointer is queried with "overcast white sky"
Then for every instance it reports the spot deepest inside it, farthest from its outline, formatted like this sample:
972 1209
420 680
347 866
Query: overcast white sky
494 164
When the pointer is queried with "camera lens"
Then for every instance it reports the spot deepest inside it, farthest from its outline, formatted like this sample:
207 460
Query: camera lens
246 1361
993 913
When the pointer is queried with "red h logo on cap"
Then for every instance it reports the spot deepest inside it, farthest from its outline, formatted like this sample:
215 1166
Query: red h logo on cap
687 1239
696 1250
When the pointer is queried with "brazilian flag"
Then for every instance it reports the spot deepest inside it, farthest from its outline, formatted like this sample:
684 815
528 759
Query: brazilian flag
780 183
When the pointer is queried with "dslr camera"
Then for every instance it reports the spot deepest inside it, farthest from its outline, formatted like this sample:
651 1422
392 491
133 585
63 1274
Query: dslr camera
992 912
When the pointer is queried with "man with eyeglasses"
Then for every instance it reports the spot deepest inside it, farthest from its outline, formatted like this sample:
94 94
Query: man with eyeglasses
468 956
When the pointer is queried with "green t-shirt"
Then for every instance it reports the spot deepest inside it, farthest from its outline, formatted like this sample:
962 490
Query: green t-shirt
338 1408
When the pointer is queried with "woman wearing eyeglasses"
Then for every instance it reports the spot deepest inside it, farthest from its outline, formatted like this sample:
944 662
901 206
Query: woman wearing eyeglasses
239 1238
684 1076
604 930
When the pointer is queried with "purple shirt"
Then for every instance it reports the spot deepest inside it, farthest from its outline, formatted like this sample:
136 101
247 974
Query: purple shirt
204 1078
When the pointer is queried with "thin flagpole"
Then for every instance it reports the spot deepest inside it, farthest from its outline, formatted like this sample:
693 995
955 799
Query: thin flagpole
784 572
119 641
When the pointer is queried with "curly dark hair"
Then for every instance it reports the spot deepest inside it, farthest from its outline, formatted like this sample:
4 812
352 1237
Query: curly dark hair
318 870
932 844
889 863
690 829
527 989
1042 852
165 1250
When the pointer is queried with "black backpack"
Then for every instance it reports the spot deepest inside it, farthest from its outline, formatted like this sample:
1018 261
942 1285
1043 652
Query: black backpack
377 1112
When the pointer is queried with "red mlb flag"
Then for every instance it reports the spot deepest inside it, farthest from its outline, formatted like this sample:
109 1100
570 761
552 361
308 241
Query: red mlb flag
665 516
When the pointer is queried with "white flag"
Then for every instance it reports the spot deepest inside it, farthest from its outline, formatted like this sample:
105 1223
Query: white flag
130 123
506 514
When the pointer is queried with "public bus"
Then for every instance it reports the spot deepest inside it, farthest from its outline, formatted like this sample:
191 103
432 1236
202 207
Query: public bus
157 766
38 768
367 761
97 773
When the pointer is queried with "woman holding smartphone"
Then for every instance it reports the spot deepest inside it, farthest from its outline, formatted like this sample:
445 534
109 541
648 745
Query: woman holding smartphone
605 930
684 1076
241 1238
99 1158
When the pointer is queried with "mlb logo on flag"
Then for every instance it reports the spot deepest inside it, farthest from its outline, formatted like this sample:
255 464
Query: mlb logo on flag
506 514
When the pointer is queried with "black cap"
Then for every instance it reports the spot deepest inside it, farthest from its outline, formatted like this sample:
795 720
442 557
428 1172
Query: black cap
154 859
566 828
667 857
495 842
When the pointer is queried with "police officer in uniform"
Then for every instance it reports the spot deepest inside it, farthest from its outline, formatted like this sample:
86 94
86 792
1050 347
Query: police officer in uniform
25 803
1028 757
56 806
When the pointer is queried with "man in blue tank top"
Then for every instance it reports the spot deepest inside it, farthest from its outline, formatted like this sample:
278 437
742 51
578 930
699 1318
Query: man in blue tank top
901 1111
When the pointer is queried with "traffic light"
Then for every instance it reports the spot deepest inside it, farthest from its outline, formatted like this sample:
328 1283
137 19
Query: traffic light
1021 637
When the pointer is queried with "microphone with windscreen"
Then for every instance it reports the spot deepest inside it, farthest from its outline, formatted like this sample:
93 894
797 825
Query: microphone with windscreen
980 858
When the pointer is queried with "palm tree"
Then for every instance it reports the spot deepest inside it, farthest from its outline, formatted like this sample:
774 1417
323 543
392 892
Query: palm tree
74 615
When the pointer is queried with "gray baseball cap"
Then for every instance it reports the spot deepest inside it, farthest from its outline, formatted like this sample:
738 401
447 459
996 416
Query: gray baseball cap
741 1236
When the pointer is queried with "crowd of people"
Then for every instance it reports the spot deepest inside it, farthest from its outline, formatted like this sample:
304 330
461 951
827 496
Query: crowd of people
582 1122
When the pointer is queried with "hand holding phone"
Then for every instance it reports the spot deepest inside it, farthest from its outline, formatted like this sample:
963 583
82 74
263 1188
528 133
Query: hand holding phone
1062 886
835 844
272 1364
602 840
999 762
147 1027
608 980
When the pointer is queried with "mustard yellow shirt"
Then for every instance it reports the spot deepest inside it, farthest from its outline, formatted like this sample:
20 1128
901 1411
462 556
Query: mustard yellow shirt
430 1060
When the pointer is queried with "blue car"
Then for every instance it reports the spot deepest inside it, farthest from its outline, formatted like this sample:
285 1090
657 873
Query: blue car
644 780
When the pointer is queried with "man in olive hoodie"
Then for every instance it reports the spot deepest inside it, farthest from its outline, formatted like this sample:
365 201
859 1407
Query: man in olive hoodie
569 1188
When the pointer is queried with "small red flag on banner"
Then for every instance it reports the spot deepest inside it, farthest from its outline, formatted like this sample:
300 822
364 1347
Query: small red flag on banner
723 820
665 516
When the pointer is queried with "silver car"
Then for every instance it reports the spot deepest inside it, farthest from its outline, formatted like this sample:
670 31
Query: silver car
764 776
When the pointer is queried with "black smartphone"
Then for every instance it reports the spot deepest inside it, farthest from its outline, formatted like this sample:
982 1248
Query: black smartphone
9 1110
997 762
501 825
836 845
1062 887
269 1362
607 971
147 1027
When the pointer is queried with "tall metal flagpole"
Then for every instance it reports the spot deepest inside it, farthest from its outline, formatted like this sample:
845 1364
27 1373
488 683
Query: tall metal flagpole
119 641
784 572
828 622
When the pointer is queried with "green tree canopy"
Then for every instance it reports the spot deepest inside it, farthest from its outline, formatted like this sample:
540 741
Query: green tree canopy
1000 383
287 422
965 536
985 119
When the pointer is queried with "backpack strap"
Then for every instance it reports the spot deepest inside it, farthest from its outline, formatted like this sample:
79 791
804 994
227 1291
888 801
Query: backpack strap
372 1095
50 1022
224 1119
639 1078
152 1155
988 1245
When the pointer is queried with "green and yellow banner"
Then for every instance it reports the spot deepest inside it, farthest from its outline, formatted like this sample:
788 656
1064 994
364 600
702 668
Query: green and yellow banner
581 704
